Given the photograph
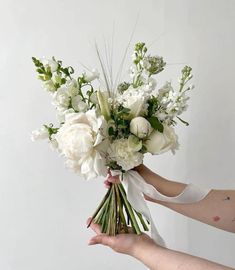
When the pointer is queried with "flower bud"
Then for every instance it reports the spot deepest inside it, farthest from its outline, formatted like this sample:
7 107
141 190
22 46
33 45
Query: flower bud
104 106
140 127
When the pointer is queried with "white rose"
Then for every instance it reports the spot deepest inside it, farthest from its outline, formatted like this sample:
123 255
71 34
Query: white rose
140 127
127 157
81 141
158 143
40 134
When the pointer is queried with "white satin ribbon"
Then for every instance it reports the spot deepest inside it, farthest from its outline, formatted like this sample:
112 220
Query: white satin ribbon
136 186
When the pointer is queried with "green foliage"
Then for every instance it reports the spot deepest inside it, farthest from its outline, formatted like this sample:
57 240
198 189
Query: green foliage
51 130
155 123
152 106
58 77
121 123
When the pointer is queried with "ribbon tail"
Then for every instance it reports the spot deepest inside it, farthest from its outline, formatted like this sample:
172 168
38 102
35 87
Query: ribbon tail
136 199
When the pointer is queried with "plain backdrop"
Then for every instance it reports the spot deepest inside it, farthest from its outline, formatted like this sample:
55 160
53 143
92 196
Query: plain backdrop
43 206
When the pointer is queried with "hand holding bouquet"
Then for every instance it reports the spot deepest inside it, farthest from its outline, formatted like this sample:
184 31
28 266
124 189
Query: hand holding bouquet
110 128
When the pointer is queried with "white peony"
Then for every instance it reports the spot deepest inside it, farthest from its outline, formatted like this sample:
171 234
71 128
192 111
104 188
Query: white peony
81 139
140 127
158 143
127 157
40 134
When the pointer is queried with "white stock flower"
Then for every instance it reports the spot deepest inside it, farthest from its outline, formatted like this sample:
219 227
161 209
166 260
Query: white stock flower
40 134
127 157
140 127
91 76
81 140
158 143
150 84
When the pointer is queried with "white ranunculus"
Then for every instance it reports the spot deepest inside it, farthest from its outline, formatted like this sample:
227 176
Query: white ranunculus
40 134
127 157
158 143
135 99
91 76
140 127
81 139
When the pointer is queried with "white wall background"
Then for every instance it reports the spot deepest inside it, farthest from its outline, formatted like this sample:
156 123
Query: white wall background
43 207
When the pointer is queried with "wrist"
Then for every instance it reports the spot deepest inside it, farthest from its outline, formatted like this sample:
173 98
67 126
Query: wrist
142 245
148 254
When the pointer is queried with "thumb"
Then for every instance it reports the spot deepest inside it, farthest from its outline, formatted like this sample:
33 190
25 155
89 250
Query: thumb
103 240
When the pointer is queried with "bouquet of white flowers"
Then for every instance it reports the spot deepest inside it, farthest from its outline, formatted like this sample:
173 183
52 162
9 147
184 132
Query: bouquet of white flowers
111 129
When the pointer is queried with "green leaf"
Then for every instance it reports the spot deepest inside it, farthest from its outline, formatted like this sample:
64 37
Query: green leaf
155 123
111 131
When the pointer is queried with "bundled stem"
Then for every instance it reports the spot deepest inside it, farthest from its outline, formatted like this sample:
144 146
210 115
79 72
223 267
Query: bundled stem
115 213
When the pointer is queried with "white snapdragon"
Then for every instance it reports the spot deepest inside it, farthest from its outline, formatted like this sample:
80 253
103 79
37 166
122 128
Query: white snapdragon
61 114
61 99
51 63
67 97
40 134
78 104
91 76
125 156
49 86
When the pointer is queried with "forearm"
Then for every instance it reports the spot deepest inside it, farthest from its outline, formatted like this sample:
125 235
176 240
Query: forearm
158 258
216 209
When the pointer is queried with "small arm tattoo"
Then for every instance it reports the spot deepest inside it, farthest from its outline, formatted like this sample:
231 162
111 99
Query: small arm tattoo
216 218
227 199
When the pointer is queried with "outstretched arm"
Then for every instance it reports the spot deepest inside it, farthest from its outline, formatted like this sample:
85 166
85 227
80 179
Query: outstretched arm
154 257
216 209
